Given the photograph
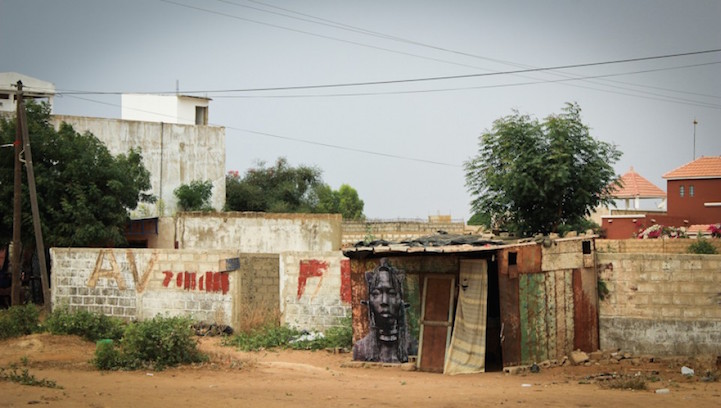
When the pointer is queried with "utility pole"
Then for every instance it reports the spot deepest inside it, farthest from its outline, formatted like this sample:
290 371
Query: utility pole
17 212
39 246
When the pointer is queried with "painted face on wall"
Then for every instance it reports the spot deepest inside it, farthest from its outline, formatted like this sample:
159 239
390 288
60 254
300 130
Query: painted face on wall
385 301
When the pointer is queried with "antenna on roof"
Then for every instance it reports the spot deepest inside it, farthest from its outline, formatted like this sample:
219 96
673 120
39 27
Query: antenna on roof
695 122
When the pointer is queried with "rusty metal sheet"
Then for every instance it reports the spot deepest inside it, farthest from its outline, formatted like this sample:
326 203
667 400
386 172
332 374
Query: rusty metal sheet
534 338
550 290
359 291
510 319
585 335
436 321
529 259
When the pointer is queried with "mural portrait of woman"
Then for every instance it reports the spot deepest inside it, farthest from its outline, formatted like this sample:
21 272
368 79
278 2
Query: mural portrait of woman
388 339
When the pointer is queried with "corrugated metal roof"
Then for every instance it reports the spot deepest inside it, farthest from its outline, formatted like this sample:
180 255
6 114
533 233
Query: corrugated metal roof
444 244
703 167
634 185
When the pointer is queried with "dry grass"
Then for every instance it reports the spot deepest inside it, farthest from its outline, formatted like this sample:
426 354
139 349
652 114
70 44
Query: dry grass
255 317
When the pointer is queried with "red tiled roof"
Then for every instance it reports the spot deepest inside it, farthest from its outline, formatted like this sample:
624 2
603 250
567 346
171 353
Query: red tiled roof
703 167
633 185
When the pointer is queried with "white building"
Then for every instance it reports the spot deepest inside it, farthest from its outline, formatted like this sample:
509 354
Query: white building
33 88
180 109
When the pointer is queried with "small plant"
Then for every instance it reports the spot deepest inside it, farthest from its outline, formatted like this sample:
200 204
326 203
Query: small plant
88 325
195 196
19 321
702 246
24 377
269 336
627 383
603 291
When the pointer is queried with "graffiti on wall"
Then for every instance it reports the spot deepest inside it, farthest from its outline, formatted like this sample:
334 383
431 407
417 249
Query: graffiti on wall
190 281
208 282
388 339
314 268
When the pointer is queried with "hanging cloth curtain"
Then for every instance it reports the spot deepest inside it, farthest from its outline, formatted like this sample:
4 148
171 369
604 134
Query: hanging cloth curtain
467 352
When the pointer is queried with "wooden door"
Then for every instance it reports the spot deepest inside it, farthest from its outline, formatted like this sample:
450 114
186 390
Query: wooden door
436 321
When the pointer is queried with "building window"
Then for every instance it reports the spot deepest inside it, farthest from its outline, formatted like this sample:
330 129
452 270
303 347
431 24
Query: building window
681 191
690 191
201 115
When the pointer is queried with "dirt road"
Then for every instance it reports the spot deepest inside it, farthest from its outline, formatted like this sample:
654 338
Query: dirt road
321 379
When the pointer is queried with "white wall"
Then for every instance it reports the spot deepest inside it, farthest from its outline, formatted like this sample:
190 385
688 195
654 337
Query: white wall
178 109
252 232
173 154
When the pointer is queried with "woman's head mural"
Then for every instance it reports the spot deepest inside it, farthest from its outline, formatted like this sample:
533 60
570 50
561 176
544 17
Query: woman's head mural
388 337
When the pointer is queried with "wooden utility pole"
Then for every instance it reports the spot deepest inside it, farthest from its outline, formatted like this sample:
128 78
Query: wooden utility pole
39 246
16 263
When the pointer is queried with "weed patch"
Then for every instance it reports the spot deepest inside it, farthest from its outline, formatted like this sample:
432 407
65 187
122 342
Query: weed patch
24 377
88 325
19 321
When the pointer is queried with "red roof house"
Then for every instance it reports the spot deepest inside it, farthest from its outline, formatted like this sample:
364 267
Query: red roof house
694 191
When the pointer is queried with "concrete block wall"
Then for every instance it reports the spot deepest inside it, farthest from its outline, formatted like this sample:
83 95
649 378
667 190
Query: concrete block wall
395 231
142 283
650 246
665 304
174 154
253 232
315 289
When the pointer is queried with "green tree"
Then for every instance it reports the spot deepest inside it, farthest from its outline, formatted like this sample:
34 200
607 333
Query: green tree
84 193
344 201
279 189
532 177
195 196
284 188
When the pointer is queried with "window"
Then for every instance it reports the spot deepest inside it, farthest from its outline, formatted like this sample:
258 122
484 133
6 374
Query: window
690 191
201 115
681 191
512 258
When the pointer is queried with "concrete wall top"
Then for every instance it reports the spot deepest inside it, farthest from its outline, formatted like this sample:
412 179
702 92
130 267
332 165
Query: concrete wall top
252 232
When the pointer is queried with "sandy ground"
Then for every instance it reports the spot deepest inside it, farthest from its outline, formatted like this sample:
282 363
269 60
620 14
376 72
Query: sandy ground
323 379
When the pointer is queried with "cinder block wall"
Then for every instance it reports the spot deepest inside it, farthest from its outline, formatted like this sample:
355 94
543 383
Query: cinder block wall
650 246
661 304
315 289
142 283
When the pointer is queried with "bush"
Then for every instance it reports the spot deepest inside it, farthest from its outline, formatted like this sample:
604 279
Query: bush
702 246
88 325
274 336
19 321
268 336
157 343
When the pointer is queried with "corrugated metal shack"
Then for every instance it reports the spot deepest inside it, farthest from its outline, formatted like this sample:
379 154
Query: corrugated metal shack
472 304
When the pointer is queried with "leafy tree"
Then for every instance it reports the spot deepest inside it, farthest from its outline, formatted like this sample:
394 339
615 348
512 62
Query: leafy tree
283 188
84 193
531 177
344 201
195 196
280 188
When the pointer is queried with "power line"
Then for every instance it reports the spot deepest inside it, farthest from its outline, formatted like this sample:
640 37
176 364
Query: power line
299 140
356 29
658 97
427 79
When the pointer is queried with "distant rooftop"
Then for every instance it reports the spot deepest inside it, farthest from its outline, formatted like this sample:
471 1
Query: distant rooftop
33 88
703 167
633 185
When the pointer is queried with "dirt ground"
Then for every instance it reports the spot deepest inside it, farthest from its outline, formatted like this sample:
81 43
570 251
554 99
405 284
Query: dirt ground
324 379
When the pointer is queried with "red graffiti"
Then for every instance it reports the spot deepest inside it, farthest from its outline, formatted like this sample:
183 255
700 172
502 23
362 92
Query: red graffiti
345 293
209 282
168 277
309 269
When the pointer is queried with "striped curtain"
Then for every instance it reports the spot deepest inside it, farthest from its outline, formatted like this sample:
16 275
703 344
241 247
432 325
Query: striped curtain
467 352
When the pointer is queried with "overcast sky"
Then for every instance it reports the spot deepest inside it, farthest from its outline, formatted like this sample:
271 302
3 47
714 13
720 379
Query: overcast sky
401 145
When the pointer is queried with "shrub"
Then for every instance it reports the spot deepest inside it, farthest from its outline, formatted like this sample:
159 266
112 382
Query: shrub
157 343
275 336
91 326
268 336
702 246
19 321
